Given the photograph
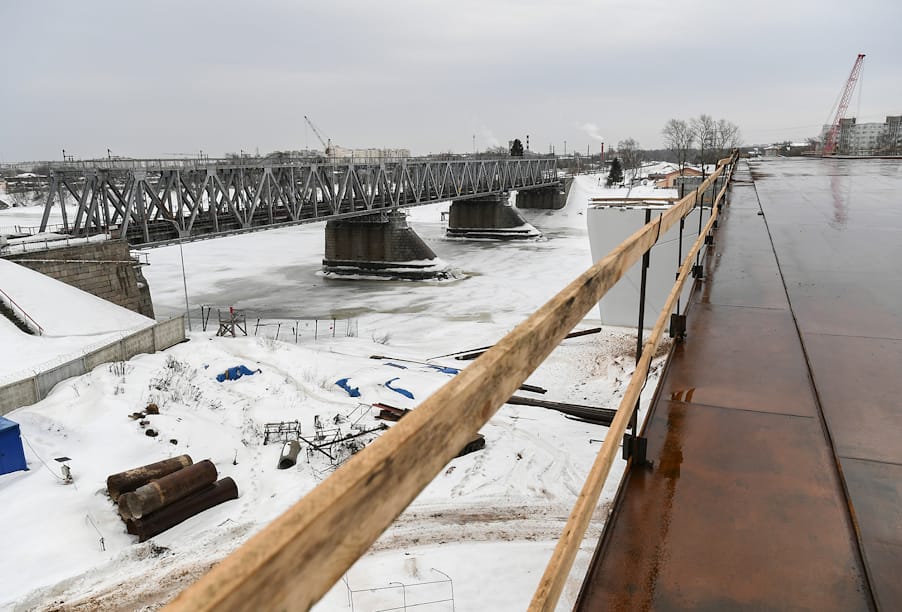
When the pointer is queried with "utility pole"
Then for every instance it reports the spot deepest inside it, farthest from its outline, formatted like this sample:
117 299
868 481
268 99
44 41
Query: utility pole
184 279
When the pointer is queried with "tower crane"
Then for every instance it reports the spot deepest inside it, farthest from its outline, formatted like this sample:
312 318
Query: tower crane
327 143
833 132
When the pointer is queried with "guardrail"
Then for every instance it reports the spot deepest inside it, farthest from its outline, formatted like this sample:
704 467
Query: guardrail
18 310
297 558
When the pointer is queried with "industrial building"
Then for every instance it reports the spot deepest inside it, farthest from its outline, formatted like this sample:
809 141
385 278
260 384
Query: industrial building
868 138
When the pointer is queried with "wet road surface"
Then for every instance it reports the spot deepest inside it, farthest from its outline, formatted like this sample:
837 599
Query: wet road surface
776 436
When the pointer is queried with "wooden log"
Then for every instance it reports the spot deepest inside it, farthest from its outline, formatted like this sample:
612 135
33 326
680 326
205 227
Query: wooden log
556 572
129 480
474 353
602 416
183 509
295 560
163 491
533 389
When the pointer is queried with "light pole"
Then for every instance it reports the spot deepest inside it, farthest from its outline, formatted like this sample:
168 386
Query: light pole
184 279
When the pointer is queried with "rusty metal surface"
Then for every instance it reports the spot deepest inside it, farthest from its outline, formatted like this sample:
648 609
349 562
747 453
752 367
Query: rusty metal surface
740 512
743 279
736 357
746 507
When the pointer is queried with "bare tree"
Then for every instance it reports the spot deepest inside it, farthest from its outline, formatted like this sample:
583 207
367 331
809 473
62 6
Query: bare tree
679 138
630 154
704 128
726 137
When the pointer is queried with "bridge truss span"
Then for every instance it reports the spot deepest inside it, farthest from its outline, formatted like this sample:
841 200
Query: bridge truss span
151 206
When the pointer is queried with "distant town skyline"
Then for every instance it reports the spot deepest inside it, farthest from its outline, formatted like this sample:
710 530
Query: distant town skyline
169 78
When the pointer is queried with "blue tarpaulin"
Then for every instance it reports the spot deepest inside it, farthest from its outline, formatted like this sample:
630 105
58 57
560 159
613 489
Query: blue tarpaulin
12 456
236 372
403 392
352 391
444 369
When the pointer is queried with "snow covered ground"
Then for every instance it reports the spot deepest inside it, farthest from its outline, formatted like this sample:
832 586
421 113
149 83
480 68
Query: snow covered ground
71 321
489 521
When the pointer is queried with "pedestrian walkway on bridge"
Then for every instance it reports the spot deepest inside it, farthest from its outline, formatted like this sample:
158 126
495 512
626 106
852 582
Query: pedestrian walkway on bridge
775 433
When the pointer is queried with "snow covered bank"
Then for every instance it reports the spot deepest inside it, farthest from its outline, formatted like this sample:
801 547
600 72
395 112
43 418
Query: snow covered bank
71 322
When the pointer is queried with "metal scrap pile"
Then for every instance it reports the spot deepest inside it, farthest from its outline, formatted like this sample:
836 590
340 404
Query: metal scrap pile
152 498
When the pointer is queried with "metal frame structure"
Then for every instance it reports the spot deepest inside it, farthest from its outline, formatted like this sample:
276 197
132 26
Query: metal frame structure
830 142
147 205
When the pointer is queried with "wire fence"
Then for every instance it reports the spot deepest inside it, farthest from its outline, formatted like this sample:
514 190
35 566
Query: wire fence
287 329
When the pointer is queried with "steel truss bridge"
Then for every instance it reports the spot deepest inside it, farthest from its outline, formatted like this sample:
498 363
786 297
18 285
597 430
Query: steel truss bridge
148 206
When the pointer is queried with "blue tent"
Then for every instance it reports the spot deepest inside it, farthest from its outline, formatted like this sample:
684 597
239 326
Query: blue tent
12 456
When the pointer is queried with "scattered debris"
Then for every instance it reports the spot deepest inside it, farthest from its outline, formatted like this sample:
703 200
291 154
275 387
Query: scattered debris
152 409
289 456
403 392
355 416
352 391
236 372
151 433
477 443
390 413
281 431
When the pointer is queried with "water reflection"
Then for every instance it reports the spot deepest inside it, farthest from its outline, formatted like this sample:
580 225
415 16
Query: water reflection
840 200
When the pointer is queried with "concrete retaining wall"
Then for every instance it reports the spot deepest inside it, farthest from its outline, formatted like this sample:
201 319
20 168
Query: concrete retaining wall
32 390
104 269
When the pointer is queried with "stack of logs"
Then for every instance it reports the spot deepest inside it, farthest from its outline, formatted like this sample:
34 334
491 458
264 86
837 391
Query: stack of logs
152 498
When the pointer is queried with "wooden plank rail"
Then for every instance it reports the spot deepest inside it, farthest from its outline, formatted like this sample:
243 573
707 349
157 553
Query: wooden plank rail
295 560
558 568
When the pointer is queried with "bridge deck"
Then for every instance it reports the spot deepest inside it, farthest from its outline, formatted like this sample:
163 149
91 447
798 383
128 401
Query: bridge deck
776 431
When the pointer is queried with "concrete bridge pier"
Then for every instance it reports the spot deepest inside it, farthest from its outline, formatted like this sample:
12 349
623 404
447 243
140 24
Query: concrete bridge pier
489 217
381 244
547 198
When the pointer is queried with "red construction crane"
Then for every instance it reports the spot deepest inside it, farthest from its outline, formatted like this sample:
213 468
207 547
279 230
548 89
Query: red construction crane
833 132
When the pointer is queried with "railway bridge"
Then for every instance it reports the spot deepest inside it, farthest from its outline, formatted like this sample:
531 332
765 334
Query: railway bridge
155 202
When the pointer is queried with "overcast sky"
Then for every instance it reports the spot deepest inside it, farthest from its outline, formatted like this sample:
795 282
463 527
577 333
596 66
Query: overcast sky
178 76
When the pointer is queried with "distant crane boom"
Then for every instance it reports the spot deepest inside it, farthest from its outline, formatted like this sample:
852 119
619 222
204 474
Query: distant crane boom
833 132
327 146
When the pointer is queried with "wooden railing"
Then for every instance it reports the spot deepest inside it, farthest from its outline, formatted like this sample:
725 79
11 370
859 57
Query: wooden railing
297 558
558 568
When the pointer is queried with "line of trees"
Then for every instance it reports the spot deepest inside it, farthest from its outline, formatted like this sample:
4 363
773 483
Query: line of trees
701 139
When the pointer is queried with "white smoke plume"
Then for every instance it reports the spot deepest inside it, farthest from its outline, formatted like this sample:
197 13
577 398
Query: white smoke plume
592 131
